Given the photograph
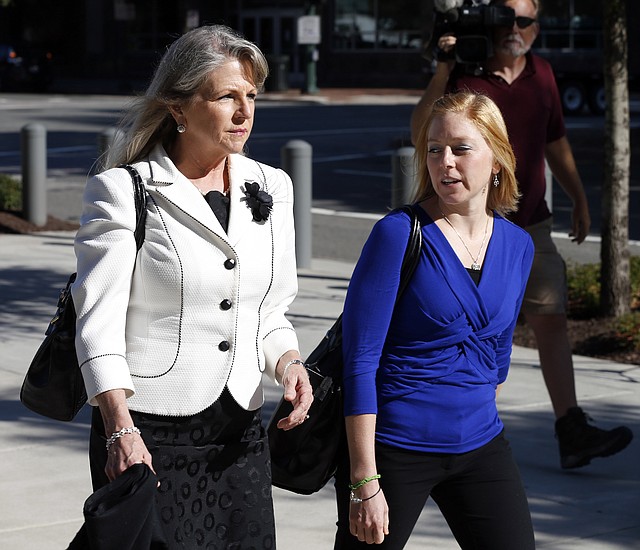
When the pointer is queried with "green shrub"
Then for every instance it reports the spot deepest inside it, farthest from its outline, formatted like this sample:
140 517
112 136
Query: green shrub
583 282
10 193
628 330
583 286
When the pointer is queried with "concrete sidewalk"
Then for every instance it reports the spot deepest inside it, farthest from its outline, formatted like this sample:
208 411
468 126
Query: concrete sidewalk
45 475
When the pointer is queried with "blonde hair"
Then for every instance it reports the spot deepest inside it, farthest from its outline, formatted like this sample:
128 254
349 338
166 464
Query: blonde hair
182 71
486 116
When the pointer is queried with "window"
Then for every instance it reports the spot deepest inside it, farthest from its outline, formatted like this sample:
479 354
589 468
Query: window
376 24
569 24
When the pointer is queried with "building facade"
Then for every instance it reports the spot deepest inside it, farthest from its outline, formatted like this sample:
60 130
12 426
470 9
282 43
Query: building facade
360 43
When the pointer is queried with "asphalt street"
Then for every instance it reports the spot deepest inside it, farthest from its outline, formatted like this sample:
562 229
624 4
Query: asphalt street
354 137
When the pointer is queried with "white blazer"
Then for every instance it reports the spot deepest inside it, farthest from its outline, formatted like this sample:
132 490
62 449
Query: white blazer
197 308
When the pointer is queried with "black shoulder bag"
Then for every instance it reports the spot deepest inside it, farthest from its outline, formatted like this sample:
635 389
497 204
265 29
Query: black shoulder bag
53 386
304 458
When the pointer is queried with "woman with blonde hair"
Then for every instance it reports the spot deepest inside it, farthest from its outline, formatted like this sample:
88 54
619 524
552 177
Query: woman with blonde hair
421 378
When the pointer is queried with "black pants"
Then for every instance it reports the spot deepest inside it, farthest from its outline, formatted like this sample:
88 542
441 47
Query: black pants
479 493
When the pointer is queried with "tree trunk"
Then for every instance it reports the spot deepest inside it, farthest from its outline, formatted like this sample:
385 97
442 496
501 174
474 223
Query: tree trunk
615 293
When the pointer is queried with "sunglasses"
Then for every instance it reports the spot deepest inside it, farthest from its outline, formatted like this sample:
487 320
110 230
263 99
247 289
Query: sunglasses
524 22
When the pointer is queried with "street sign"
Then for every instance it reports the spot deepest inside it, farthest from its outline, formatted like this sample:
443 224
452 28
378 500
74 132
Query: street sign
309 29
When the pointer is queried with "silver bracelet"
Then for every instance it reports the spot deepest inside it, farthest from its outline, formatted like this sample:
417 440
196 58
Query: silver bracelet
356 500
121 433
292 362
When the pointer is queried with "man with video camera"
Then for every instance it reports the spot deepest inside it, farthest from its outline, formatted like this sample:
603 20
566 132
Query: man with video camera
524 88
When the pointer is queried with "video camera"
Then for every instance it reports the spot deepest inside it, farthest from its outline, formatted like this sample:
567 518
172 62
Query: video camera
471 21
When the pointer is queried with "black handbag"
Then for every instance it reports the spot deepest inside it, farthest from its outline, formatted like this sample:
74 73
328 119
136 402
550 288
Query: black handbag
305 458
53 386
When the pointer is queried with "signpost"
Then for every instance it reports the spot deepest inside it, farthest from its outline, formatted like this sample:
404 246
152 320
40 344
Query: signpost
309 34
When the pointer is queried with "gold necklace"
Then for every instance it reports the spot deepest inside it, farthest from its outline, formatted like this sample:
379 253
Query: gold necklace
474 265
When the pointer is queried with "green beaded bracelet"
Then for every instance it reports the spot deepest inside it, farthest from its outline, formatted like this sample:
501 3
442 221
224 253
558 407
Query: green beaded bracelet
363 481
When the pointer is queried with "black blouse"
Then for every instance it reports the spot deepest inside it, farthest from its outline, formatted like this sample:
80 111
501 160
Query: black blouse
219 203
475 275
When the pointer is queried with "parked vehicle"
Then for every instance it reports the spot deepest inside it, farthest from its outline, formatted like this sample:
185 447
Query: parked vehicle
574 47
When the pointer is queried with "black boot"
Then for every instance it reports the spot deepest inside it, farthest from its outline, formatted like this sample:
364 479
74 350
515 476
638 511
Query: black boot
580 442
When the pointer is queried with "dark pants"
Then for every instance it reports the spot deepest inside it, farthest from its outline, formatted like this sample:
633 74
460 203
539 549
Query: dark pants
479 493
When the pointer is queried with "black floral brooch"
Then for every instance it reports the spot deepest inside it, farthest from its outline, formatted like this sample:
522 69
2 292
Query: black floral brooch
259 202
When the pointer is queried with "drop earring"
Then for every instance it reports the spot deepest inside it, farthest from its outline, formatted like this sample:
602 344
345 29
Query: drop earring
496 181
181 128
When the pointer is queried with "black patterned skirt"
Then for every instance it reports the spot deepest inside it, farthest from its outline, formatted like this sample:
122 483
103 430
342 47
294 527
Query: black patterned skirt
214 472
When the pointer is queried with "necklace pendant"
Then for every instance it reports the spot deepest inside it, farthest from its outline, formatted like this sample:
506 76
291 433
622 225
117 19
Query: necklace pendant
475 267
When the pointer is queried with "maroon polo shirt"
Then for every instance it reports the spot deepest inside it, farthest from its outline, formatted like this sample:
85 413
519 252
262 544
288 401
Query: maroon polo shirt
532 110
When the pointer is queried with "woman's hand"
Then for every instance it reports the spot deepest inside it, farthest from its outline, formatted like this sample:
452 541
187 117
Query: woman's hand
129 449
297 390
369 519
124 453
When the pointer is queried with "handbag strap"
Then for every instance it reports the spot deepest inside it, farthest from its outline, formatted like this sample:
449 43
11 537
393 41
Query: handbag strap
333 338
140 196
412 252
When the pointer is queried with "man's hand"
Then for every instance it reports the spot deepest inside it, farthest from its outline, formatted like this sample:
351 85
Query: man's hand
563 167
580 223
446 43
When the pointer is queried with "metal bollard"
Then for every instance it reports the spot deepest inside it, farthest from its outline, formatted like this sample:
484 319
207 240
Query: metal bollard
34 173
295 158
403 176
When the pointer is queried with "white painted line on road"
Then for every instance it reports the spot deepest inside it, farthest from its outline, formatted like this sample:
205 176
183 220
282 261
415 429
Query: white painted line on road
363 173
590 238
361 215
574 124
73 149
355 156
331 132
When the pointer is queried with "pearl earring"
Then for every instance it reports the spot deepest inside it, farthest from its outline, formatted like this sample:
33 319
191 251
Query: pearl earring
181 128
